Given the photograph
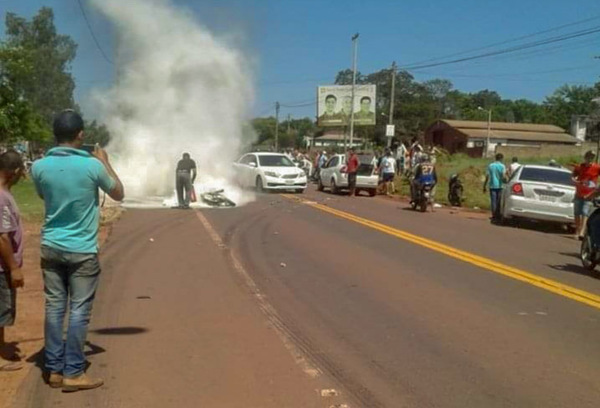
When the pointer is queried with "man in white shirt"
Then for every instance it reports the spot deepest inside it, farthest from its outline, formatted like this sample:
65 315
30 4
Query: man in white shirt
513 166
388 172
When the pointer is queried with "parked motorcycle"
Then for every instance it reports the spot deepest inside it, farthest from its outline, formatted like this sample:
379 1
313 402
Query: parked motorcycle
590 245
455 191
423 197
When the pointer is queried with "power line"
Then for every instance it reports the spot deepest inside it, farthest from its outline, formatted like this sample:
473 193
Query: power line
507 41
525 46
92 33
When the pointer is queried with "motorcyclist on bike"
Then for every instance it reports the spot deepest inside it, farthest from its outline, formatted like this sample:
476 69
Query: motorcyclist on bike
424 174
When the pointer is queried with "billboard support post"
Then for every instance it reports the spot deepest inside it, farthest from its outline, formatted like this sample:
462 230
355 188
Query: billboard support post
389 141
354 56
277 126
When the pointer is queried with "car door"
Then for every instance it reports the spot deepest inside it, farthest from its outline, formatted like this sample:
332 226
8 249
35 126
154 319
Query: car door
251 170
328 169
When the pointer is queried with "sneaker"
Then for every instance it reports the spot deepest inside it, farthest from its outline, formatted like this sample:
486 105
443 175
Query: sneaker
81 382
55 380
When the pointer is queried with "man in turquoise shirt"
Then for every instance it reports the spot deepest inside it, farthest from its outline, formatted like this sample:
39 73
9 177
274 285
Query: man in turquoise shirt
495 176
68 179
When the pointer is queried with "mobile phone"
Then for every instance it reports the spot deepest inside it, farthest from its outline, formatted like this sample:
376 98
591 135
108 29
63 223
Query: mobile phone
88 148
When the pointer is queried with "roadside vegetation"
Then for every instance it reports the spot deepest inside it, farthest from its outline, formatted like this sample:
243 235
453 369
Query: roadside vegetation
472 174
30 205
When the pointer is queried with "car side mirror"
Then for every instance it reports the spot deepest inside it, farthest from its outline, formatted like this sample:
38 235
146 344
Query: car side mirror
252 164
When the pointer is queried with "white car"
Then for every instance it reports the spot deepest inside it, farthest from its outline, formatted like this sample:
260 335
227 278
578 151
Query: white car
540 193
333 175
269 171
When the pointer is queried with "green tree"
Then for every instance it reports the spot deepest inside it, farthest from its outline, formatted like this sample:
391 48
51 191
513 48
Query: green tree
571 100
96 133
18 119
49 85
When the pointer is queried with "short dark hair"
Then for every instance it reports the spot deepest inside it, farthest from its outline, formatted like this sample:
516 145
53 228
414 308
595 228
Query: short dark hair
514 159
330 96
499 156
365 97
11 161
186 155
67 126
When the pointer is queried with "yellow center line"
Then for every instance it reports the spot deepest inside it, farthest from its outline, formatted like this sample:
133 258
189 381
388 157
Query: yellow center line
550 285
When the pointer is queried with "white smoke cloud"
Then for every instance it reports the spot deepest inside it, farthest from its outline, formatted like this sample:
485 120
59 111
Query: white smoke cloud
178 89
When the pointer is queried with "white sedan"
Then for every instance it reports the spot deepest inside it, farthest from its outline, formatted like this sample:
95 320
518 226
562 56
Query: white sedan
269 171
540 193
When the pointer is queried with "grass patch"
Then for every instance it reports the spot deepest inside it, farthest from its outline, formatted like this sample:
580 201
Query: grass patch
472 173
30 205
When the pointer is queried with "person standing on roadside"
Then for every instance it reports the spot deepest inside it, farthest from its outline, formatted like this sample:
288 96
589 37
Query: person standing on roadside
494 179
12 169
514 166
184 182
585 176
388 172
352 169
68 179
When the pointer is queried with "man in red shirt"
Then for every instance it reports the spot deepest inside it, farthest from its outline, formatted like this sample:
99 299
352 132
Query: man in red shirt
585 177
352 169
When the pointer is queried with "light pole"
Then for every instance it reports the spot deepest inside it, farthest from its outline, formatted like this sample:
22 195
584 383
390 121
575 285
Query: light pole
489 125
354 56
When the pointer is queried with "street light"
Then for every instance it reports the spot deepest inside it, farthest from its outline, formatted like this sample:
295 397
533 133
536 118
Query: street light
489 125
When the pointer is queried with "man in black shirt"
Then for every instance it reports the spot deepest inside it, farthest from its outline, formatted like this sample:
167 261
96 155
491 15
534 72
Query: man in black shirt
184 181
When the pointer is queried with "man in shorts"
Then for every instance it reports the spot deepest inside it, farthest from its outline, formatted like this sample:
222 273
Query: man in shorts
11 254
585 176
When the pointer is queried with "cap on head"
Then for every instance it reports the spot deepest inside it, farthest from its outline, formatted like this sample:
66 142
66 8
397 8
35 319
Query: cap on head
67 126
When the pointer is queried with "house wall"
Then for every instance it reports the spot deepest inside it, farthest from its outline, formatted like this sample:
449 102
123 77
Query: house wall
546 150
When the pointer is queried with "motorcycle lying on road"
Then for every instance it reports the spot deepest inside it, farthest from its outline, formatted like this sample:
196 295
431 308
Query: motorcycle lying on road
423 197
455 191
590 245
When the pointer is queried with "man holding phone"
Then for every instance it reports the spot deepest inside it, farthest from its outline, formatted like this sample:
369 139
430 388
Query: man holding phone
68 179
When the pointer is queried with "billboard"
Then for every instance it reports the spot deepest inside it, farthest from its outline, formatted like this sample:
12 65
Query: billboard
334 103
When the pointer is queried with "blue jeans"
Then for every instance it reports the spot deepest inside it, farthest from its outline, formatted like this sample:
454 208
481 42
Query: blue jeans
495 201
69 278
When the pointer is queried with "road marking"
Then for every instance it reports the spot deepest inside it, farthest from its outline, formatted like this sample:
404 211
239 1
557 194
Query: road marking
550 285
266 308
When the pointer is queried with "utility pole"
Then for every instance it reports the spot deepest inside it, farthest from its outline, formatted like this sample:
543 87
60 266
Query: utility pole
277 126
391 122
354 56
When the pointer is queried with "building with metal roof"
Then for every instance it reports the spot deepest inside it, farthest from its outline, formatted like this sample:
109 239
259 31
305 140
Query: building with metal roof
472 137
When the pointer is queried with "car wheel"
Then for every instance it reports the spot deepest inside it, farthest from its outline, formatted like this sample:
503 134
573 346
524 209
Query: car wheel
259 185
320 185
372 192
334 187
587 254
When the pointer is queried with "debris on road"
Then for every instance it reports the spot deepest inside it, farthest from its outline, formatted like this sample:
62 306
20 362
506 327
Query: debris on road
329 393
436 205
216 198
151 240
283 264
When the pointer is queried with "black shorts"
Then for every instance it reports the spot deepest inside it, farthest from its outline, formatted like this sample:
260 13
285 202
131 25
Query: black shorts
351 180
388 177
8 301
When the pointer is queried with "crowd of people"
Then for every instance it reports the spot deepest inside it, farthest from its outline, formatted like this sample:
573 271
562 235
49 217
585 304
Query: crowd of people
67 178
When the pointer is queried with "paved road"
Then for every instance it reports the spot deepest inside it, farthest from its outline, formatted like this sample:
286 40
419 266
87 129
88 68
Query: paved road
272 303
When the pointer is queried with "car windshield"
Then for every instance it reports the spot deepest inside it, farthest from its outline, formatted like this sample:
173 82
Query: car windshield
546 176
275 161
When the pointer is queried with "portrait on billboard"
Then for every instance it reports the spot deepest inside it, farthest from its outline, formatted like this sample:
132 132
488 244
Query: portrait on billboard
334 105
